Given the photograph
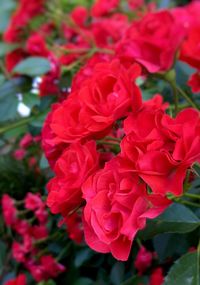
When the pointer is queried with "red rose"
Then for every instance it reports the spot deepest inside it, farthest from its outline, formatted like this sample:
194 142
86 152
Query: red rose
71 169
103 7
9 210
116 208
190 51
143 260
102 99
161 149
74 227
187 15
194 82
157 277
152 41
36 45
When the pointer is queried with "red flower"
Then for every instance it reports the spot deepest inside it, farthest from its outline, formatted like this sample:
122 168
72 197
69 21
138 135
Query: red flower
20 250
190 51
161 149
9 210
36 45
80 15
157 277
103 7
143 260
194 82
19 280
74 227
26 141
116 208
33 201
102 99
152 41
22 16
71 169
46 268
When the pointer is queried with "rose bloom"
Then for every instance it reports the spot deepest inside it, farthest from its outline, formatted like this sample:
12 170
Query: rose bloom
19 280
103 7
72 169
152 41
143 260
9 210
117 206
190 51
102 99
47 267
160 148
194 82
157 277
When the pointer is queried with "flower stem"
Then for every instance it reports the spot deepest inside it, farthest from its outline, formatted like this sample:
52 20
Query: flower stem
187 98
21 123
192 196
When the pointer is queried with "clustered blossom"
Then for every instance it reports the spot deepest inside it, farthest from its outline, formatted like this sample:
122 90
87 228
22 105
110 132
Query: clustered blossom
29 233
117 158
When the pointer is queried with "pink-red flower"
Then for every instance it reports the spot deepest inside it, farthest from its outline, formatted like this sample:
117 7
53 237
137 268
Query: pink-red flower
143 260
117 206
102 99
152 41
9 210
72 169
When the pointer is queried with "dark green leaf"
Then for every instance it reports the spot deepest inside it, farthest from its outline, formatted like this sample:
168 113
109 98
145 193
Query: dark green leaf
117 273
33 66
185 271
82 256
3 249
84 281
176 219
169 245
135 280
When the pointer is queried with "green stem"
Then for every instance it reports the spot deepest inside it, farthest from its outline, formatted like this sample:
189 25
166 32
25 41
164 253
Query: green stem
21 123
187 98
112 139
175 95
107 143
188 203
192 196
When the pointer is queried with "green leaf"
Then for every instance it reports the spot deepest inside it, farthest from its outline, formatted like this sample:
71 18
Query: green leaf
135 280
169 245
117 273
84 281
176 219
82 256
6 48
3 250
184 271
33 66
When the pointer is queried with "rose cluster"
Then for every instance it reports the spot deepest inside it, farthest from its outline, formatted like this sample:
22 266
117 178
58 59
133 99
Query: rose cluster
152 38
117 159
28 221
